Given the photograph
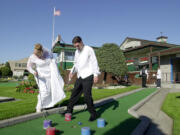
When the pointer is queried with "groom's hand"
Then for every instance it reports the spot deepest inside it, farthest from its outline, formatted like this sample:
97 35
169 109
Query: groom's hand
36 74
95 79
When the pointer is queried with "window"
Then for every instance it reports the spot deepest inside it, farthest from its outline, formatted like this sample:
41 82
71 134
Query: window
69 55
24 64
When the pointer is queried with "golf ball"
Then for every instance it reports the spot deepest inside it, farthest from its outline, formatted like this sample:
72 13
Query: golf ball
79 123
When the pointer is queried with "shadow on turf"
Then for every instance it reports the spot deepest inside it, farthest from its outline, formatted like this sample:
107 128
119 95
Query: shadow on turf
54 124
123 128
65 102
58 132
93 132
101 109
126 127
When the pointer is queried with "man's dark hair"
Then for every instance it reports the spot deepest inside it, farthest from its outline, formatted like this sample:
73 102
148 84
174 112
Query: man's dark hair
76 39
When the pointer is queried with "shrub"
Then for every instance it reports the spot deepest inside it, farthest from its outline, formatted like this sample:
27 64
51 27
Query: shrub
3 80
32 81
15 77
26 87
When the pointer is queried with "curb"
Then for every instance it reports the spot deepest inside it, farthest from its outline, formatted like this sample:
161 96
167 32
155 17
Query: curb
6 99
27 117
143 125
112 98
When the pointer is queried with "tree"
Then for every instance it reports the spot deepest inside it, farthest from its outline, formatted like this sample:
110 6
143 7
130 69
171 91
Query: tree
0 73
10 71
6 70
111 60
7 65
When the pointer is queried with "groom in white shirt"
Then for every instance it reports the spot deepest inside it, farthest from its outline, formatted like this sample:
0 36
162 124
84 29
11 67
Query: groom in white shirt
86 67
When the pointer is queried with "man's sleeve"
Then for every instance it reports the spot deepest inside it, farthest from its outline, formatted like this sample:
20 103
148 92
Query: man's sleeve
94 63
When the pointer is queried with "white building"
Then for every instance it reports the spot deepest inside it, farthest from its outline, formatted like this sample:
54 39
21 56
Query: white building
19 67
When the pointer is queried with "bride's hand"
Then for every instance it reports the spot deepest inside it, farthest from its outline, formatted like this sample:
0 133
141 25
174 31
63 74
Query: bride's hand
70 76
36 73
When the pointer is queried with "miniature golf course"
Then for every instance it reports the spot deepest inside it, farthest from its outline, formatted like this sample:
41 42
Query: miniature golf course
118 121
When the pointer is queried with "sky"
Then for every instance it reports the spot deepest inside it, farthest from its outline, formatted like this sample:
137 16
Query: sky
26 22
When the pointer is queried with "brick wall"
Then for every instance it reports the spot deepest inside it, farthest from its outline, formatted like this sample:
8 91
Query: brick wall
111 80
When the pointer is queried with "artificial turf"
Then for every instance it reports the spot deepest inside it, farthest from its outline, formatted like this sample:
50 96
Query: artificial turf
26 103
115 114
171 106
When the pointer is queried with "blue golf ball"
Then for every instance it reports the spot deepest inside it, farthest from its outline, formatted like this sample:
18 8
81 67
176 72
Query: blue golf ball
79 123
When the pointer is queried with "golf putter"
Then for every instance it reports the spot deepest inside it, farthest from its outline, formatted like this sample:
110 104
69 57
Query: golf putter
69 80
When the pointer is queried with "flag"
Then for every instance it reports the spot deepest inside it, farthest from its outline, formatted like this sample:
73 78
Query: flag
57 12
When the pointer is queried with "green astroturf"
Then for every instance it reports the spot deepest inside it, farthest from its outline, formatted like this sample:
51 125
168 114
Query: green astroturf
119 122
26 103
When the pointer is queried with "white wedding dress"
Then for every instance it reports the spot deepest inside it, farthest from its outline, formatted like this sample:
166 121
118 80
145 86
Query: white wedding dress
49 80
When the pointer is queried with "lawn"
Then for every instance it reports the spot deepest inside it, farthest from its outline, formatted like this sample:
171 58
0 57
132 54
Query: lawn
171 106
26 102
119 122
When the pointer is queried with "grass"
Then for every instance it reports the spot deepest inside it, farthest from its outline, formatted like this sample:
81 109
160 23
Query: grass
115 114
26 102
171 106
8 84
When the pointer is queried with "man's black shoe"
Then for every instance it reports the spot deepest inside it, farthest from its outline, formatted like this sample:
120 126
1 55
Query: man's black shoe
93 117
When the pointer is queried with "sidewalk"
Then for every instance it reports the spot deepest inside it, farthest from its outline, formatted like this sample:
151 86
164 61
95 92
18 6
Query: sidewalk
161 124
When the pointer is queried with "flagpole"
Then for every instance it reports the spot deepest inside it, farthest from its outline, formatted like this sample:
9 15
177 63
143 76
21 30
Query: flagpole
53 26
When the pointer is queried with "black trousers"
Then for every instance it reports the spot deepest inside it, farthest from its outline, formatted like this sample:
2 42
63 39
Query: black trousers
144 78
158 82
82 86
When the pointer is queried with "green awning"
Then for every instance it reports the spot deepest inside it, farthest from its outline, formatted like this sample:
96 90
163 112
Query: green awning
58 49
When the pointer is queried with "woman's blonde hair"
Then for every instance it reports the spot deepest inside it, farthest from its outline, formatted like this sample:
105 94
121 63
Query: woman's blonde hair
39 49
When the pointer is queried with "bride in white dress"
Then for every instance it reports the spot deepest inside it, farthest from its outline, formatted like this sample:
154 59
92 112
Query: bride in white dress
42 65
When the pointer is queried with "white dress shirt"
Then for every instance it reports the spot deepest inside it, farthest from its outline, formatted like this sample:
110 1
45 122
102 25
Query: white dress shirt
85 63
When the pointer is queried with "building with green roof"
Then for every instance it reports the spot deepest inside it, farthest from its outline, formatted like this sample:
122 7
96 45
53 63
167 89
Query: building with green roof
65 54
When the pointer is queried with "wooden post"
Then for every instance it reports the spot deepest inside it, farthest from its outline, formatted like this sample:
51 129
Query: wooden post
150 61
159 60
62 62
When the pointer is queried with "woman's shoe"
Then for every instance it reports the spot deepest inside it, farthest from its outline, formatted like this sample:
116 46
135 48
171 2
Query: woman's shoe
38 110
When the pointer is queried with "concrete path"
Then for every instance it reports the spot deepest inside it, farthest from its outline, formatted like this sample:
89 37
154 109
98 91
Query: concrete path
161 124
6 99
